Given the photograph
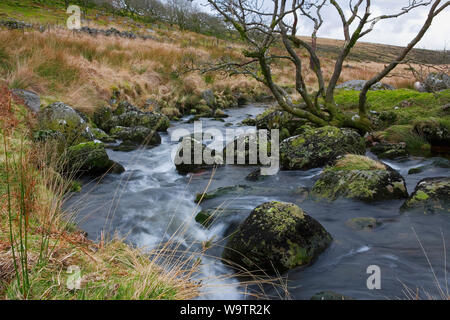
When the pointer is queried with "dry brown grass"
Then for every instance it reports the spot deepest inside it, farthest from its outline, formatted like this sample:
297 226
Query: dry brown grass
84 71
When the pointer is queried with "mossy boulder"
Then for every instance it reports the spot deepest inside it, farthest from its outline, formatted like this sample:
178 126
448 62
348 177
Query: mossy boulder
431 195
101 117
219 113
361 178
286 122
276 237
171 113
128 115
247 149
249 122
64 119
135 137
363 223
198 156
386 150
102 136
90 158
205 217
318 147
435 131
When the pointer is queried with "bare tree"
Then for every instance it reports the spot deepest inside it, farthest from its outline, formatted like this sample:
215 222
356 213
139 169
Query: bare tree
263 25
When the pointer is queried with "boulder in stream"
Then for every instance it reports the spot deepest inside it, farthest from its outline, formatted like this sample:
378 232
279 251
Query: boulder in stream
431 195
276 237
359 177
318 147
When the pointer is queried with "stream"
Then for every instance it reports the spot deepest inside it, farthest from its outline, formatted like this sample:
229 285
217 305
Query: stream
151 203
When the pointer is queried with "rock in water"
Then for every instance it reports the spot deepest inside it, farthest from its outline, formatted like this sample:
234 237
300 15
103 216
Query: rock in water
318 147
276 237
431 195
361 178
90 158
363 223
198 158
135 137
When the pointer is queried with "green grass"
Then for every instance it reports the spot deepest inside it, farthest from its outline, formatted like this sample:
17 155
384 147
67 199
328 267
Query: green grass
406 104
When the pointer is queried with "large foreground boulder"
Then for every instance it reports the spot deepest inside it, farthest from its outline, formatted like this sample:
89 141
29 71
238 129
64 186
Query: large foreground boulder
318 147
64 119
360 178
90 158
431 195
276 237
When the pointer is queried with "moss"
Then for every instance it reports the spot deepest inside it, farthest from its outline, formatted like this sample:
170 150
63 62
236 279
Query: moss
361 178
276 237
421 196
407 105
357 162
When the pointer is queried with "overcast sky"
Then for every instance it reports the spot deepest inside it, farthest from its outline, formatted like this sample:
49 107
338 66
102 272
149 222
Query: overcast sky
399 31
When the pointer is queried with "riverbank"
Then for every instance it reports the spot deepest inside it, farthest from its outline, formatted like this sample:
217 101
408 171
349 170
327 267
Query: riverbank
53 257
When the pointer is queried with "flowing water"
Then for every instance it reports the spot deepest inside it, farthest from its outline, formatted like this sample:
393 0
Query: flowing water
151 203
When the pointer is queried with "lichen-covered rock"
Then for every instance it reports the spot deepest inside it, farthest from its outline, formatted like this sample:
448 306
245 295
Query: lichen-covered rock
329 295
437 81
198 156
363 223
255 175
205 217
128 115
436 132
318 147
247 149
286 122
431 195
386 150
135 136
249 122
90 158
101 135
101 117
64 119
436 163
358 85
218 113
276 237
360 178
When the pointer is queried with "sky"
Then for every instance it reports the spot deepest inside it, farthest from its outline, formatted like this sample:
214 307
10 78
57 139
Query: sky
399 31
